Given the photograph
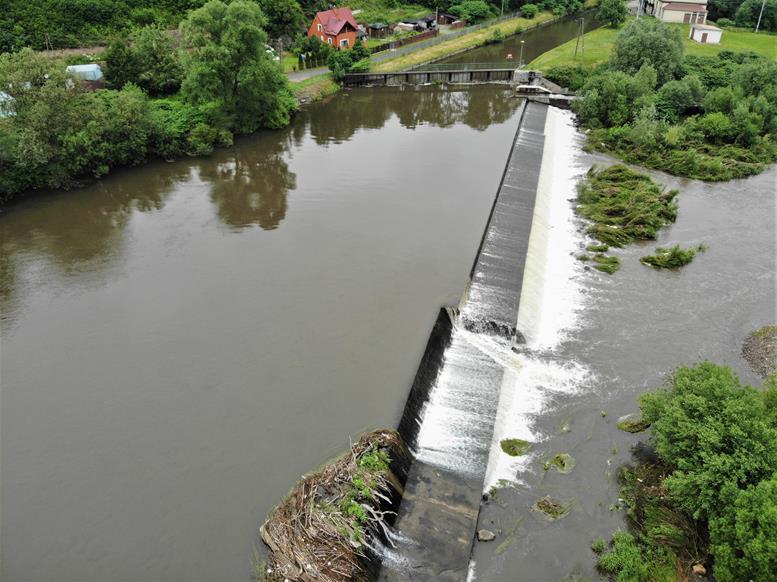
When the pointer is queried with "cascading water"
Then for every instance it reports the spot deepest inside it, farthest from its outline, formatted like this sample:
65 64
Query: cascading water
488 367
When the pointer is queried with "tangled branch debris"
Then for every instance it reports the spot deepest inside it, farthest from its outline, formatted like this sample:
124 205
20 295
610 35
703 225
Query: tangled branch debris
320 532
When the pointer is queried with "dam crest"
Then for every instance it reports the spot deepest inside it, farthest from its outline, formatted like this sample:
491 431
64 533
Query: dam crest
467 393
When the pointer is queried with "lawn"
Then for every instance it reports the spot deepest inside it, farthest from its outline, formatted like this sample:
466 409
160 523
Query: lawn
599 43
467 41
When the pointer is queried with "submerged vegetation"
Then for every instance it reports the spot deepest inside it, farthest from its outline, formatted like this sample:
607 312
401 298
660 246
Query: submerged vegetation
707 502
562 462
672 258
320 530
624 206
552 508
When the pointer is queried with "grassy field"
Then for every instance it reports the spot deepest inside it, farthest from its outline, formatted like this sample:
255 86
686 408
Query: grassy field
599 43
460 43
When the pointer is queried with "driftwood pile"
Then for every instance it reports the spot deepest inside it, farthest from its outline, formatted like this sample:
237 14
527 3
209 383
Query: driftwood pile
320 532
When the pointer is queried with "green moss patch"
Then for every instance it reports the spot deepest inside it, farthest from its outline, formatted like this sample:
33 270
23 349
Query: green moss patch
606 264
515 447
672 257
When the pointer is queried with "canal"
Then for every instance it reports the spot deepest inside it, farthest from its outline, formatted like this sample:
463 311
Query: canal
536 41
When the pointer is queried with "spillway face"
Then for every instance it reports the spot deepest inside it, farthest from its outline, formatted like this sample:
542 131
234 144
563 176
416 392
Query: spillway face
493 297
449 419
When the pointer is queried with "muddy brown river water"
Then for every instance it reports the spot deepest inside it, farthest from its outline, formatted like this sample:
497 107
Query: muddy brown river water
180 342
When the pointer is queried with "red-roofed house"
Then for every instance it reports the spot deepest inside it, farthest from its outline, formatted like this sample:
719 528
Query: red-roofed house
336 27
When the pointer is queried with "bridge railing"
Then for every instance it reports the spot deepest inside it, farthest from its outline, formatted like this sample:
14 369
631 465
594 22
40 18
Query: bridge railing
438 67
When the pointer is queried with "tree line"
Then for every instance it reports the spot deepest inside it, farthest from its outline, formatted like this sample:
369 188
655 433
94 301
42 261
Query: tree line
42 24
163 100
705 117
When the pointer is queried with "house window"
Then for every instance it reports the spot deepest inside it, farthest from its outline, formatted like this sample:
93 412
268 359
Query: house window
320 28
344 42
322 38
329 40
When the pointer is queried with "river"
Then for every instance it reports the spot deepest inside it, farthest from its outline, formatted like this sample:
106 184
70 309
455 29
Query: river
180 342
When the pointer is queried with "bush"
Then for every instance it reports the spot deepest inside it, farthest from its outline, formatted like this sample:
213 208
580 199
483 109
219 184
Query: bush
496 37
647 41
473 10
725 22
613 12
529 10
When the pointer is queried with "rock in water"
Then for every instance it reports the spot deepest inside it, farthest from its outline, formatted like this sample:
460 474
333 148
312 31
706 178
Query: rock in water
699 570
485 535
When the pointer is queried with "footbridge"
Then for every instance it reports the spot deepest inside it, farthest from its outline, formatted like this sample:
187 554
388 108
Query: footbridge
527 83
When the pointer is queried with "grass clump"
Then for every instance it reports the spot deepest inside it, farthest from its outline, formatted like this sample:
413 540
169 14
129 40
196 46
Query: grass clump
562 462
597 248
550 507
515 447
672 257
624 205
599 545
606 264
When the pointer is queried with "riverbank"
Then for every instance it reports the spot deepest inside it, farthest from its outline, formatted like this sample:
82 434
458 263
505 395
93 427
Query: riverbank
474 39
598 45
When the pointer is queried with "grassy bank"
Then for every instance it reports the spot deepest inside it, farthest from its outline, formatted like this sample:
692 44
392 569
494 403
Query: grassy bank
461 43
599 44
315 88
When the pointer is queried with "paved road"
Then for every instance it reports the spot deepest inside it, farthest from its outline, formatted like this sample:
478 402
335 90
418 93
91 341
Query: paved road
298 76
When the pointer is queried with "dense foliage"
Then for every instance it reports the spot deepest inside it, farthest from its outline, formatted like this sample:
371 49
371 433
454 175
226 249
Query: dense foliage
712 496
710 117
673 257
612 12
57 132
744 13
355 60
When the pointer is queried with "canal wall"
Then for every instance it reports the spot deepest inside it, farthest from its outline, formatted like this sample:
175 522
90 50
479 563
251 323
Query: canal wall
448 421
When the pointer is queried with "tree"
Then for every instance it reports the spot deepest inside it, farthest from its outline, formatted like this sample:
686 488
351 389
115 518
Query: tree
648 41
613 12
747 14
529 10
342 62
743 538
146 58
284 18
228 72
473 10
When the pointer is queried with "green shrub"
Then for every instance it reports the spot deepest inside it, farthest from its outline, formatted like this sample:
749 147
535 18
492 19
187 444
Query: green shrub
529 10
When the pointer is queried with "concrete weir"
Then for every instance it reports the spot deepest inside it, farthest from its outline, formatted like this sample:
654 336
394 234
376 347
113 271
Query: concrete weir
448 422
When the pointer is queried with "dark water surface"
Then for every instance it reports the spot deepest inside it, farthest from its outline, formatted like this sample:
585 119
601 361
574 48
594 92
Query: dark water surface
635 327
180 342
535 42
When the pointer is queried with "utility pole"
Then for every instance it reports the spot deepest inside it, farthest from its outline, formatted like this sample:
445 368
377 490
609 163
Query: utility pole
760 15
502 13
520 61
639 8
580 41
